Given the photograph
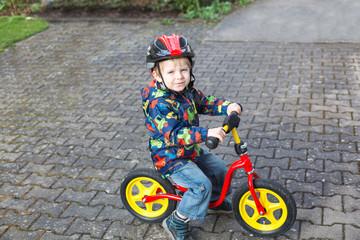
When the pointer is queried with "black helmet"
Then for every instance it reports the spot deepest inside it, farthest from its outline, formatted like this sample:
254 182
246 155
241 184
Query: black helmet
168 47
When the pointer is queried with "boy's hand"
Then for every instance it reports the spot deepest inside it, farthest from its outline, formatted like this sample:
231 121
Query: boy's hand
233 107
217 132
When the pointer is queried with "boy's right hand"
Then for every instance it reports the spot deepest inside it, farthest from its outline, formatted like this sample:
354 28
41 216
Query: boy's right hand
217 132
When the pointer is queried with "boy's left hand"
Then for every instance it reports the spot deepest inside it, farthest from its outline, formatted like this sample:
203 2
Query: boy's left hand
233 107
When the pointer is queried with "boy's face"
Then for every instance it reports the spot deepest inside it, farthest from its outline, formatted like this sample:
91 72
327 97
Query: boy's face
176 73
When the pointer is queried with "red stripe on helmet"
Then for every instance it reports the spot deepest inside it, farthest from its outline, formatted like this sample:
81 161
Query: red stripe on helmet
172 43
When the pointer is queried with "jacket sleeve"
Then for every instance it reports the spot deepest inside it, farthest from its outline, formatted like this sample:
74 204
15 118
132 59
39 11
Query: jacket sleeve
172 128
213 106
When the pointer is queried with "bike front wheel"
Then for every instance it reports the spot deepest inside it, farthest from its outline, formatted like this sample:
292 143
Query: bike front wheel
279 205
145 182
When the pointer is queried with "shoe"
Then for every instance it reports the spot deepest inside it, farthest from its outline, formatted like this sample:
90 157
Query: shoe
225 208
177 228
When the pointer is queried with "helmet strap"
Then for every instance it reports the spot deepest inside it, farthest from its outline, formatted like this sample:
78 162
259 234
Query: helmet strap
159 70
192 80
163 81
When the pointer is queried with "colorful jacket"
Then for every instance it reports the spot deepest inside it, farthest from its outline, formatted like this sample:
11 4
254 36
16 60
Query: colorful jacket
173 124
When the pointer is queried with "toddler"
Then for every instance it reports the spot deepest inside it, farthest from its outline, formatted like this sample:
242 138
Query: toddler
171 106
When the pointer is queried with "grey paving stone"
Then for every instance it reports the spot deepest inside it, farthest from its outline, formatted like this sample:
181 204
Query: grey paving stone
13 178
309 164
331 217
36 168
44 193
58 225
333 177
312 215
14 190
115 214
87 212
93 162
333 202
351 232
93 173
107 199
278 173
66 161
73 183
52 236
345 190
351 204
14 233
73 196
117 229
351 167
319 231
10 156
15 203
51 208
93 228
60 170
305 187
23 221
41 180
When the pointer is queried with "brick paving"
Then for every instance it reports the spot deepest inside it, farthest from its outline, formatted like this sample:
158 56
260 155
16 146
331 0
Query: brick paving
71 128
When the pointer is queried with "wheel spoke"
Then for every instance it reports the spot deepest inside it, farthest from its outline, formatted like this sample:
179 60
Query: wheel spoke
270 216
138 197
250 203
255 217
149 206
141 187
274 206
152 189
264 199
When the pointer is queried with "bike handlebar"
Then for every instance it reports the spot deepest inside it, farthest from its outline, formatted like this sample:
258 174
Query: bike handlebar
212 142
230 122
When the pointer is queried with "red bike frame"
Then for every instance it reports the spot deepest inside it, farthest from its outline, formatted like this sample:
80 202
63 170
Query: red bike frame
243 162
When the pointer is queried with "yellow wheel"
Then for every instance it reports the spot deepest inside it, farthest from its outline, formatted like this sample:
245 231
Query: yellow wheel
279 205
145 182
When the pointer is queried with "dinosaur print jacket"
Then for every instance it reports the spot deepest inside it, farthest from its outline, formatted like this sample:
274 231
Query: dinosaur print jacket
173 124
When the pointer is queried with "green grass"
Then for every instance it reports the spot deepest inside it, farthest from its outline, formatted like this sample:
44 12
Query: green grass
17 28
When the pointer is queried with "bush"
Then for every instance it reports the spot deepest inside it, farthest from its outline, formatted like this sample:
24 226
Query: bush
123 5
213 11
19 7
207 9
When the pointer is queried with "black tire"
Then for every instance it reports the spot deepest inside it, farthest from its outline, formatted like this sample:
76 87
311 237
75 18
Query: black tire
150 181
274 222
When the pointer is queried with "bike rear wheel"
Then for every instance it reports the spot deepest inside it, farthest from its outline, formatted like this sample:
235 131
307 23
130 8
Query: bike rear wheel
146 182
277 201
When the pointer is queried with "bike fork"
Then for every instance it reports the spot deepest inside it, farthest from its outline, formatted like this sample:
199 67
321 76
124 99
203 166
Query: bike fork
241 149
259 207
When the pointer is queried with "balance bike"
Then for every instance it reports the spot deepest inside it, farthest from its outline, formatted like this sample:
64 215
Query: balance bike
261 206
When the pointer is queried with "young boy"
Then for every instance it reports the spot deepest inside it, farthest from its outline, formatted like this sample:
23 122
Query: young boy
171 106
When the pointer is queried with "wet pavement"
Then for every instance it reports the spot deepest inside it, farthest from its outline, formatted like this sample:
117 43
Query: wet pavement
71 128
293 21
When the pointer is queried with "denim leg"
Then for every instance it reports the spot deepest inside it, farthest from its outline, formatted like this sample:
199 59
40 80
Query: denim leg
195 201
215 169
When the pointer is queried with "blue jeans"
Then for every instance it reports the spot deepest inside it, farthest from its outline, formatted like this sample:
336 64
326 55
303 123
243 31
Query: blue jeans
204 180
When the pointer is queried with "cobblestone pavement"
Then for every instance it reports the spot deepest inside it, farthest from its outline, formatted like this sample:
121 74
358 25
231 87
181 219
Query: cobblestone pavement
72 128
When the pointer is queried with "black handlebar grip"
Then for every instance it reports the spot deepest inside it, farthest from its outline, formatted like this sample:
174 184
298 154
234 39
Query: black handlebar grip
212 142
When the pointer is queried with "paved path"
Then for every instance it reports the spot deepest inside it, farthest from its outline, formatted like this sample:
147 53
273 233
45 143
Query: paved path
292 21
71 128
